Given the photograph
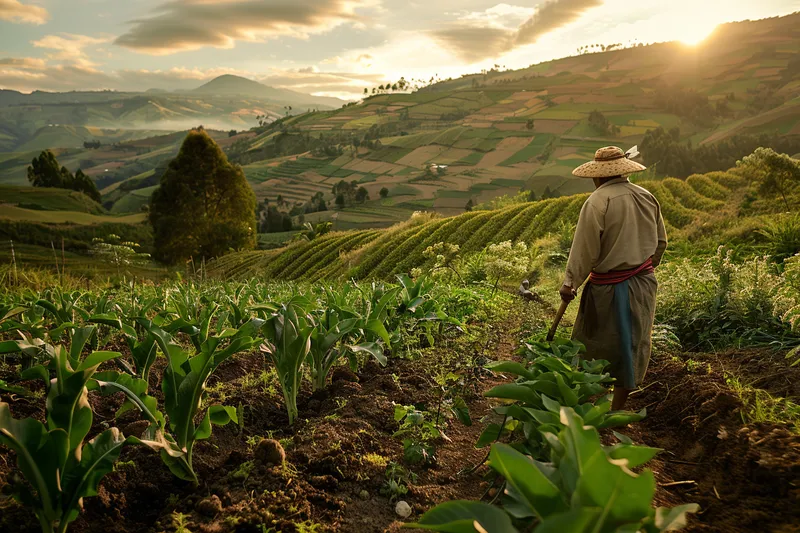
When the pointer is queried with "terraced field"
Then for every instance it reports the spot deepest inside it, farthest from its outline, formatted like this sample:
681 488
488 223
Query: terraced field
687 206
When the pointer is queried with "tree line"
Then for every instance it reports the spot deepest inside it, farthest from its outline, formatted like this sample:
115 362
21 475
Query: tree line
44 171
664 150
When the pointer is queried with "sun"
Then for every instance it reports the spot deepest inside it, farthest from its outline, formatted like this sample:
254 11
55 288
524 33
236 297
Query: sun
693 32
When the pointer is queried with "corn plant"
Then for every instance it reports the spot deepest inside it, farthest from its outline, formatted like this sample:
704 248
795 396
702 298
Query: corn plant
328 344
183 385
585 488
287 344
59 467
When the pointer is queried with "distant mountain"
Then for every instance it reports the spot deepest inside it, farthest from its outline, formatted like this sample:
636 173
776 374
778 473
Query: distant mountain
229 84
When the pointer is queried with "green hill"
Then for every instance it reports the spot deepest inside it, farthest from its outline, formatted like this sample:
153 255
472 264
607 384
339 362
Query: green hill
691 208
41 199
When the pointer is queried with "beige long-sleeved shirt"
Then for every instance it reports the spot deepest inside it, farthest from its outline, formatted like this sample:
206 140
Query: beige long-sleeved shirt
619 228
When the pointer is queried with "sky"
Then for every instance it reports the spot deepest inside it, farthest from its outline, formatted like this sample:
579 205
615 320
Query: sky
325 47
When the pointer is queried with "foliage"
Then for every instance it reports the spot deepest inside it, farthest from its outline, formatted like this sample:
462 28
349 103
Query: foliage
45 172
778 174
60 469
724 302
505 261
118 252
419 434
204 205
585 487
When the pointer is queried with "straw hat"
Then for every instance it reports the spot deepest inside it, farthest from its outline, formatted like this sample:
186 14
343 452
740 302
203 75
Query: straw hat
608 162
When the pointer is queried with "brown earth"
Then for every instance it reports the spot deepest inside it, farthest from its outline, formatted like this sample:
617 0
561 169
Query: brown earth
745 476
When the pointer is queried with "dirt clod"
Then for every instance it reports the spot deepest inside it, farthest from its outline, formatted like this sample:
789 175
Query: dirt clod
270 451
210 506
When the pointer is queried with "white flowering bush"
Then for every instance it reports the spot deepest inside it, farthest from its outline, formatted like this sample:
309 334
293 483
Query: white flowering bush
505 261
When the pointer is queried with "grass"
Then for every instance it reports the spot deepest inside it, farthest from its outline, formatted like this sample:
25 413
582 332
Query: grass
66 217
49 199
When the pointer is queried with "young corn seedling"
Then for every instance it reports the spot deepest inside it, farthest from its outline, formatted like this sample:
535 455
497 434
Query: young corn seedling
59 467
287 344
183 385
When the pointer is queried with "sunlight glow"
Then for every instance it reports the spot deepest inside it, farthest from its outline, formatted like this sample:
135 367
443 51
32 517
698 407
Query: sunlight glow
695 31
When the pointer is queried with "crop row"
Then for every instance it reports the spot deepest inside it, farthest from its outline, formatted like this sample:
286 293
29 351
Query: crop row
64 336
555 473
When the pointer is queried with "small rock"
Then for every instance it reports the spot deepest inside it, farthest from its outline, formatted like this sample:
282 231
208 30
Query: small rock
210 506
270 451
402 509
364 495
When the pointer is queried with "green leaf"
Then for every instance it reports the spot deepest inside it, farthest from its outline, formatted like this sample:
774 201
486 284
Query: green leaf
578 520
635 455
511 367
489 435
461 410
95 359
622 418
532 488
675 518
372 348
567 394
512 391
96 460
461 517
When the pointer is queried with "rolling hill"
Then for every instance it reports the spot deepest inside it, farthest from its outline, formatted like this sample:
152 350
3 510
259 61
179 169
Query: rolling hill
230 85
488 134
693 209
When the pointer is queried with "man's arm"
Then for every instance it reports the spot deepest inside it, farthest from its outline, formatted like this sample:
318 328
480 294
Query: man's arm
662 240
585 249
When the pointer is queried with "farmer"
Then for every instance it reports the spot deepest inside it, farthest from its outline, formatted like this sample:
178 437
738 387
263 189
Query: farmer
619 240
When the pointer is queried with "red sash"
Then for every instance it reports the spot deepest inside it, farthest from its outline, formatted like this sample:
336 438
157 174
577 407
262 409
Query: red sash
618 276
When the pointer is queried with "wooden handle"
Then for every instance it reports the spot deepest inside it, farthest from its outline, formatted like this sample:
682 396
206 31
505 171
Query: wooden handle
561 310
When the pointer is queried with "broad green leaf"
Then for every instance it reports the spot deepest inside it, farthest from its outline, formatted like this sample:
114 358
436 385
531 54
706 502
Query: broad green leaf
462 517
512 391
635 455
583 519
539 495
511 367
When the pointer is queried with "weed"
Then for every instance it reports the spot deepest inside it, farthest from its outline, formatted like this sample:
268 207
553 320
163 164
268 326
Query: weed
180 522
244 471
759 405
375 459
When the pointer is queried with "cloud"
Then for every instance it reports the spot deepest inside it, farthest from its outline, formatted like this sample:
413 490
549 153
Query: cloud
551 16
15 11
179 25
495 31
28 63
70 47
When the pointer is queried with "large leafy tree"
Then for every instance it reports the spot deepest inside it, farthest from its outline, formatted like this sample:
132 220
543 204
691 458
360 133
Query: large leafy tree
204 206
83 183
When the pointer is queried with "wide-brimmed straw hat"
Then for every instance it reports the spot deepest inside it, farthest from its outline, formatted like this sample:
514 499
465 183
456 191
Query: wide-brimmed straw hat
608 162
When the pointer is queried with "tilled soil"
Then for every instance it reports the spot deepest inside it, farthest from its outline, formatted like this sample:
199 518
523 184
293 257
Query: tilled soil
745 477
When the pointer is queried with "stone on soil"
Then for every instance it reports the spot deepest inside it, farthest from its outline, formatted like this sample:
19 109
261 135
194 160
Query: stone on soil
270 451
402 509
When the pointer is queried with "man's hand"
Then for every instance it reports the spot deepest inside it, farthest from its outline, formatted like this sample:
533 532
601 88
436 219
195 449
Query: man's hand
567 293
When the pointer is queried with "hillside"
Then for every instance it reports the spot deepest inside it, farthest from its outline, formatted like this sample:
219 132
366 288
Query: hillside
692 208
500 132
488 134
229 84
49 120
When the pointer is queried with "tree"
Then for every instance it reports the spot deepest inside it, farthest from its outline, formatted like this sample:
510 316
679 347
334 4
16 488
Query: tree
83 183
469 206
362 195
777 173
529 124
203 206
45 172
384 192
